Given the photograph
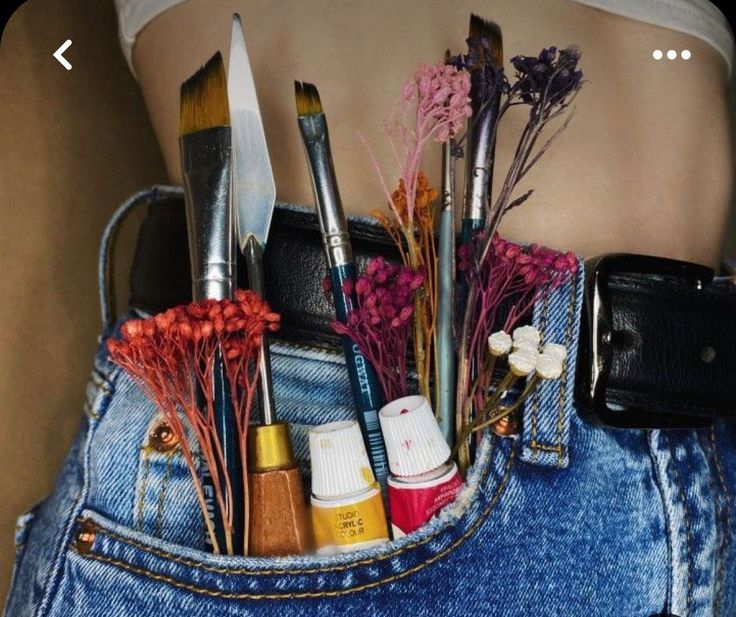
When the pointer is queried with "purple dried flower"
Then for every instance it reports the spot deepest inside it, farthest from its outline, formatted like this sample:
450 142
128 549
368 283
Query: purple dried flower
549 79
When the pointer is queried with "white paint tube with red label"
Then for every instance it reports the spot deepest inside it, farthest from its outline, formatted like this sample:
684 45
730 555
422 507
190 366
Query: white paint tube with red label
423 480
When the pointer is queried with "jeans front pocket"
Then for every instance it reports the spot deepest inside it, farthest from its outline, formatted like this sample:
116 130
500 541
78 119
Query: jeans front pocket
112 570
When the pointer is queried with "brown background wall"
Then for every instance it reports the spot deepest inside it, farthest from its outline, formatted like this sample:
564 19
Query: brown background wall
73 144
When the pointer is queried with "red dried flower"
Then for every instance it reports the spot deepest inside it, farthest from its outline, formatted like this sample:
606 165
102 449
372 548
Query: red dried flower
171 356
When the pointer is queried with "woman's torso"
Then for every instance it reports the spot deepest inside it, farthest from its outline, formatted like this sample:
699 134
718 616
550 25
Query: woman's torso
644 167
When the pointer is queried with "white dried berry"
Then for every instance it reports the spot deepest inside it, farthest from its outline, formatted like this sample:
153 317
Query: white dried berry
499 343
527 333
522 362
549 366
553 349
526 345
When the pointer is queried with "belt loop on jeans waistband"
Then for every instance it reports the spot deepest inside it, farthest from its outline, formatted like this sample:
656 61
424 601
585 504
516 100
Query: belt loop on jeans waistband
545 431
106 260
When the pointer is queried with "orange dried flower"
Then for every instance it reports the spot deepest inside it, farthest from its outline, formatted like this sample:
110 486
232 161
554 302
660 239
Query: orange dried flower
424 199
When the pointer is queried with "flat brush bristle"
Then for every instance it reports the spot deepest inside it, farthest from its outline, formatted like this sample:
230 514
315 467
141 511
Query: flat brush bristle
204 98
480 28
307 99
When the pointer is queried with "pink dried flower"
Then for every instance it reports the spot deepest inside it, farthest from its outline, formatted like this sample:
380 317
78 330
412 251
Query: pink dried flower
443 95
510 274
440 96
380 324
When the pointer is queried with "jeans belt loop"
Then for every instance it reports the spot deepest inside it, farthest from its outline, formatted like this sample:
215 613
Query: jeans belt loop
545 434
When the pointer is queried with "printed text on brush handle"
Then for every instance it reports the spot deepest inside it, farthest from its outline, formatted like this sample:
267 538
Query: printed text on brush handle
363 381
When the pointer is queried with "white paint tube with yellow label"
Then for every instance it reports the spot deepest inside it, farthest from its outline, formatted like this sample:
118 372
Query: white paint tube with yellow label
347 507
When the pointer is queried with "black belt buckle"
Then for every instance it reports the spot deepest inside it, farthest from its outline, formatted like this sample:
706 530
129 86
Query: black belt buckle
598 339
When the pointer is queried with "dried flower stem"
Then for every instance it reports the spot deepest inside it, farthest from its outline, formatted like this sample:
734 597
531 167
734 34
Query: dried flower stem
547 84
173 356
437 101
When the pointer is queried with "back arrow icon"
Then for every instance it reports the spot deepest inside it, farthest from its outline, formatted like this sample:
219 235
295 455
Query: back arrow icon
58 54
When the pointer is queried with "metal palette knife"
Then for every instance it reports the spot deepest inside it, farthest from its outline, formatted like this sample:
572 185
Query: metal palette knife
275 486
253 186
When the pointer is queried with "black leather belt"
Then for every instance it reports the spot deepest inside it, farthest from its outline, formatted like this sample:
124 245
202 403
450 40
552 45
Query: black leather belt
657 346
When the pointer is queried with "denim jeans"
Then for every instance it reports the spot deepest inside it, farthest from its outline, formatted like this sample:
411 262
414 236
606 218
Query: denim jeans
563 519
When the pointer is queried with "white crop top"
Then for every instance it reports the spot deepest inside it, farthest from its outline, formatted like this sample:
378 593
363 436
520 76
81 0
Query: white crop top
699 18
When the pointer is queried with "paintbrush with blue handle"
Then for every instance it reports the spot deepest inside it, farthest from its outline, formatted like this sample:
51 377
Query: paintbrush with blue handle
205 144
364 384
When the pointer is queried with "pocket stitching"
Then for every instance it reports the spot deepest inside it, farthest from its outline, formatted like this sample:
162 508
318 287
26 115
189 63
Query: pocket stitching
246 571
306 594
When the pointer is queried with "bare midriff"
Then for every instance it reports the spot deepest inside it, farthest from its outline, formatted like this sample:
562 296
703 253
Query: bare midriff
644 167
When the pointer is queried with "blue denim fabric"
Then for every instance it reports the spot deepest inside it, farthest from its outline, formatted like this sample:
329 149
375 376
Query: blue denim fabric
565 519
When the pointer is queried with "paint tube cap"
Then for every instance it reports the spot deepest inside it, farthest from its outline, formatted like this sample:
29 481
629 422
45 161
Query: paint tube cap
340 465
414 441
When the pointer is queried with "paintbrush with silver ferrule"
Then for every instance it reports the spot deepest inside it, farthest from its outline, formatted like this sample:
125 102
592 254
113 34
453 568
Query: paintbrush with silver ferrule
363 381
480 137
205 144
279 523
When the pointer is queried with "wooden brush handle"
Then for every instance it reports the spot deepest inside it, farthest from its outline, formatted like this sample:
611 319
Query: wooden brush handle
279 520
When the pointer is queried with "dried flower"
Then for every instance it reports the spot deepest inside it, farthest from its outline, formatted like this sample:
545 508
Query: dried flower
522 362
433 106
499 343
556 350
527 335
437 99
512 278
424 198
500 272
525 345
171 355
549 366
380 324
442 95
551 74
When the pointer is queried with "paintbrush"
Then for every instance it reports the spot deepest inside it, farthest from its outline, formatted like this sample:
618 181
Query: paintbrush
205 144
279 524
364 384
480 140
445 378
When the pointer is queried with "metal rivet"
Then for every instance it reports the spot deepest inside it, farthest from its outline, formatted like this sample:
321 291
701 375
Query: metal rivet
708 354
506 426
85 537
162 438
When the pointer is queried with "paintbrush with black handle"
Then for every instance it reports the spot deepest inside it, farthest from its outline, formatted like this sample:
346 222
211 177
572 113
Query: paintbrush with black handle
480 141
339 255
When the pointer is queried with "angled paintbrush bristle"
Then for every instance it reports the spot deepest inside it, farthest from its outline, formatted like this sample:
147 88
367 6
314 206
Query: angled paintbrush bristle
204 98
480 28
307 99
